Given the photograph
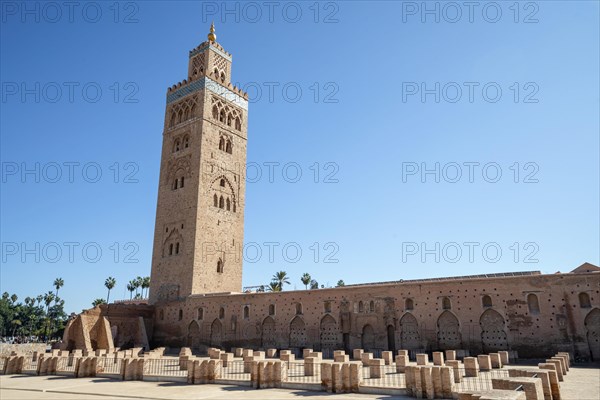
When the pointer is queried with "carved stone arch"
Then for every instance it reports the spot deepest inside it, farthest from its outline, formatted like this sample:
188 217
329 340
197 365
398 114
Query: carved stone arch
297 332
179 167
448 331
592 327
493 333
194 336
410 339
215 112
329 333
173 237
368 338
216 333
268 335
228 188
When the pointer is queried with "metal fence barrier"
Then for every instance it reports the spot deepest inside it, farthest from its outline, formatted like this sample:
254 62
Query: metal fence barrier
163 367
481 382
109 365
388 377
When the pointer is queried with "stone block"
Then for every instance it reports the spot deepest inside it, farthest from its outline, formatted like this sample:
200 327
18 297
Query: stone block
326 377
436 376
345 375
456 367
259 355
553 378
471 367
448 381
287 357
366 358
355 377
338 353
504 357
306 352
388 357
438 358
401 363
563 366
422 359
337 379
534 373
271 353
341 358
316 354
247 353
284 352
568 357
450 355
485 364
403 353
427 382
226 359
531 386
376 368
238 352
558 368
495 360
357 354
409 375
309 366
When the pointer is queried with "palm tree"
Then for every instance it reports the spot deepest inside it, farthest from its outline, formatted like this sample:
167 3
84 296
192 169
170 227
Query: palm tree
58 283
131 288
145 285
340 283
137 282
48 298
274 286
97 302
280 278
39 299
305 279
14 298
110 283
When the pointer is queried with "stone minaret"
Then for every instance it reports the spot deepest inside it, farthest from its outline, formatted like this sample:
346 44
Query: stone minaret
199 228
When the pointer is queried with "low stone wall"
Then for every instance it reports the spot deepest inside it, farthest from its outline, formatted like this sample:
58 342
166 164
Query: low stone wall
21 349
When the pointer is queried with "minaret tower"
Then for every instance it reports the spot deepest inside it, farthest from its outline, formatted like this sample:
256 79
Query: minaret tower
199 228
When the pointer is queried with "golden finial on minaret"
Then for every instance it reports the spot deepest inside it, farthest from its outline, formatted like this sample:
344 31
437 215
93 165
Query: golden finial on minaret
212 37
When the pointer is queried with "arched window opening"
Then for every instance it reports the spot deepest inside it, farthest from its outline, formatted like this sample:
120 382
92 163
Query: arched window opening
180 314
238 124
181 183
216 73
222 183
246 312
177 248
175 184
180 116
271 309
584 300
229 119
221 144
222 77
228 147
222 116
409 304
171 249
176 146
186 142
361 307
221 202
162 315
234 206
298 308
228 205
533 304
216 200
446 305
371 306
200 313
220 266
172 121
486 301
221 313
215 112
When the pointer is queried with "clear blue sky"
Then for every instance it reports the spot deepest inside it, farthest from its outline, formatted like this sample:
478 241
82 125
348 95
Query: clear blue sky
370 59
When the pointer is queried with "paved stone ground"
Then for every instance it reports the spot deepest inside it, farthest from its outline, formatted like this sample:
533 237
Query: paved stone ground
581 383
